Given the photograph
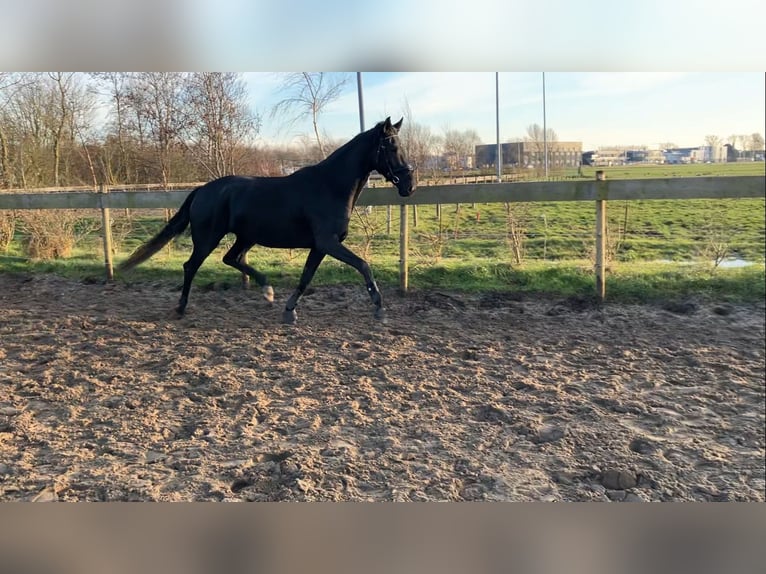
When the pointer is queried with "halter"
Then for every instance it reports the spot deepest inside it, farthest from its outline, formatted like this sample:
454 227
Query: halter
390 173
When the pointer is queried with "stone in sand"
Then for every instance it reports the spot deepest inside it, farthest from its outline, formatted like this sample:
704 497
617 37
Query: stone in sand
618 479
549 433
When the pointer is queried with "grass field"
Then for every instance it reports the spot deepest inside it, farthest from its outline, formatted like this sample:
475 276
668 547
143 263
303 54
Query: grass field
678 170
658 249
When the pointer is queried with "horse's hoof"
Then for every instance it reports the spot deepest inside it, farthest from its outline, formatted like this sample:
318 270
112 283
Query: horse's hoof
380 315
178 313
289 317
268 293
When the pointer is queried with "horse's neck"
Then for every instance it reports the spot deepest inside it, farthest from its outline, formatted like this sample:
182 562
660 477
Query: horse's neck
359 188
351 182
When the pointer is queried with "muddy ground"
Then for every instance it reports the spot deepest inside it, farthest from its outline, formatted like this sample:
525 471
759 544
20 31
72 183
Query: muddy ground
103 396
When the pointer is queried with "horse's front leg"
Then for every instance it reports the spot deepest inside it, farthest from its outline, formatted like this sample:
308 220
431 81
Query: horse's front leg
334 248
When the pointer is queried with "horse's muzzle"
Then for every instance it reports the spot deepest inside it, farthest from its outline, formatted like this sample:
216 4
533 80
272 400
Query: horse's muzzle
405 184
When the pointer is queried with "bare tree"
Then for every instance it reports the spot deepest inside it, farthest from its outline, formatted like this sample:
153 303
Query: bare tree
117 86
419 147
755 142
459 146
159 115
536 138
418 142
21 119
221 121
307 95
10 82
309 149
62 82
739 142
69 118
42 119
715 144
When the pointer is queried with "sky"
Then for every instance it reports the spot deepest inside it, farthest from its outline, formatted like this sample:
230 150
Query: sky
599 109
521 35
717 43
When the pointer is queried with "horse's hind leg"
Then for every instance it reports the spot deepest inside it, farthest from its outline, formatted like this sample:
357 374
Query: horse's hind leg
245 276
190 270
312 262
202 248
237 257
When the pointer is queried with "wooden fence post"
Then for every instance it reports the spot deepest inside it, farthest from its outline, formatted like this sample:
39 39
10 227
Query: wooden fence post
106 226
403 249
600 243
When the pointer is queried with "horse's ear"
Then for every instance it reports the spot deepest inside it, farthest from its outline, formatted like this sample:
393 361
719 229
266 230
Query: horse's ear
387 124
398 124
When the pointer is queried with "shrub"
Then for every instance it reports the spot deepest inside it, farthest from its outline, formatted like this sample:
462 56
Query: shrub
52 234
7 229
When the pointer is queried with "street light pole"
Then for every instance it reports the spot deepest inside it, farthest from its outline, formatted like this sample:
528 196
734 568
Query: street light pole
361 100
497 117
545 132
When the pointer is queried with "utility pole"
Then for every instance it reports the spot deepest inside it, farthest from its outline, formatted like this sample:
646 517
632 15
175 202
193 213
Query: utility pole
361 100
545 133
497 117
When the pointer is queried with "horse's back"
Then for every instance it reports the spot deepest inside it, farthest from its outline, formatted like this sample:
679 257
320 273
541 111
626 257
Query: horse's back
263 210
220 195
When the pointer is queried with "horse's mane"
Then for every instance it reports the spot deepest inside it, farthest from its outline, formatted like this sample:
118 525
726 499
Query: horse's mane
351 143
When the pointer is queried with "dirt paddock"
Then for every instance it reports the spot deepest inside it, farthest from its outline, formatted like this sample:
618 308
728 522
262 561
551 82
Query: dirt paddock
457 397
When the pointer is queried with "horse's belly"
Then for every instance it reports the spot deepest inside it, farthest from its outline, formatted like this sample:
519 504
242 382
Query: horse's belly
286 242
282 236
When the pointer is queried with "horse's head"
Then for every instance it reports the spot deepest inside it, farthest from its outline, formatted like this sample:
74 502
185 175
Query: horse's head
389 158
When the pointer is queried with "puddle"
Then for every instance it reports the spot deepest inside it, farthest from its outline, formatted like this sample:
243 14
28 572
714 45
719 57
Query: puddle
731 263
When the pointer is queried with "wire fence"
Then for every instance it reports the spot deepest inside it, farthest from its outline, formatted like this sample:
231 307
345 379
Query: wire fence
486 232
510 233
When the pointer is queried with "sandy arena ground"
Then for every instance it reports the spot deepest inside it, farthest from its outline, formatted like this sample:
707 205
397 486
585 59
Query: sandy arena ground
458 397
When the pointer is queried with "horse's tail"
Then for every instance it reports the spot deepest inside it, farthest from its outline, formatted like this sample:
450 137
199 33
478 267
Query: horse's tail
174 227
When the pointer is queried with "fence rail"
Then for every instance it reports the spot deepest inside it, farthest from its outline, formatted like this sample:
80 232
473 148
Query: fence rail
599 191
625 189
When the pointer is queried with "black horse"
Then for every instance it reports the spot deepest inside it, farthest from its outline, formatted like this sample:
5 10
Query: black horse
309 209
